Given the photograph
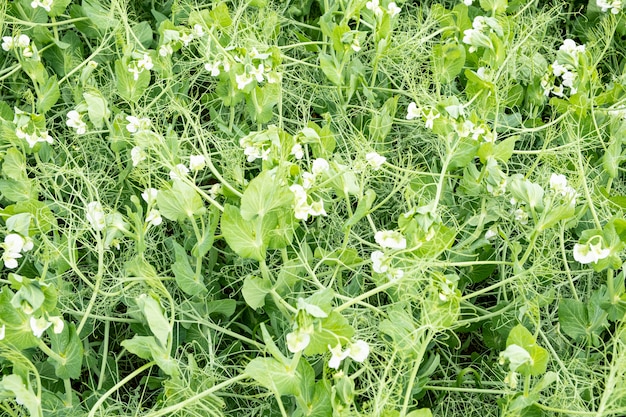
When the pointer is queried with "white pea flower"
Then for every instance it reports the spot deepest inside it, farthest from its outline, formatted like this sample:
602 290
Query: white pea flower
395 274
3 331
95 215
390 239
298 341
569 78
197 162
186 38
45 4
150 195
614 5
521 216
198 30
38 326
297 151
213 68
23 41
516 356
243 80
137 155
558 69
57 323
374 6
413 111
308 180
588 253
358 350
338 355
179 172
320 166
490 234
166 50
257 73
468 2
393 9
14 243
154 217
375 160
379 262
430 119
558 183
356 44
145 63
74 120
311 309
8 43
215 190
136 124
317 208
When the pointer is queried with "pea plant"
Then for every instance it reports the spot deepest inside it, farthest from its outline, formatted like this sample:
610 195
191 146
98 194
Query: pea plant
312 208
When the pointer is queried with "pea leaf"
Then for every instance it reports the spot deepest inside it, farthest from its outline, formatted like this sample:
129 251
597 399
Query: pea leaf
330 69
334 326
179 203
48 95
263 195
244 237
97 108
68 345
23 395
279 378
254 291
127 87
153 313
538 363
186 278
448 60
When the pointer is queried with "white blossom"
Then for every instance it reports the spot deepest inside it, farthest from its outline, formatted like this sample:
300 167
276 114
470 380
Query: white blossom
320 166
166 50
3 331
358 350
179 172
154 217
317 208
137 155
45 4
38 326
57 323
430 119
393 9
145 63
95 215
197 162
338 355
375 160
8 43
413 111
379 262
297 151
74 120
374 6
136 124
243 80
213 68
390 239
614 5
298 341
150 195
588 253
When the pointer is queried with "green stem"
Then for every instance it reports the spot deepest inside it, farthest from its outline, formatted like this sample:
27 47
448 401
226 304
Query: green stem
416 366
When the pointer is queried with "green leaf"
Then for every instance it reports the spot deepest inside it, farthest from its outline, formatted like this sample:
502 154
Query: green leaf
521 337
331 69
273 375
254 291
448 60
17 190
14 165
382 121
221 15
202 247
68 345
261 102
97 108
271 347
153 313
334 327
464 152
186 278
180 203
127 87
24 395
422 412
101 18
263 195
58 7
48 95
140 346
143 33
243 237
573 318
